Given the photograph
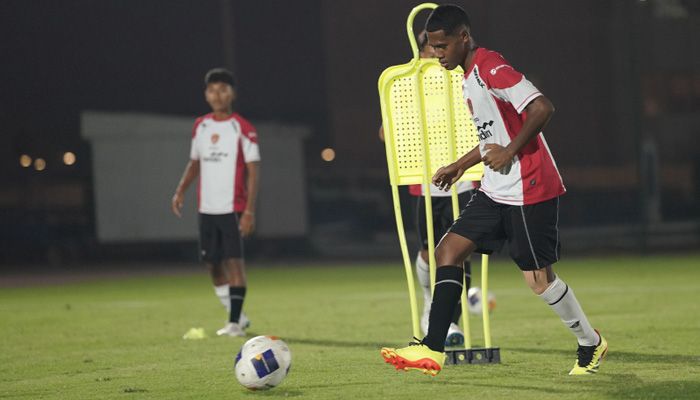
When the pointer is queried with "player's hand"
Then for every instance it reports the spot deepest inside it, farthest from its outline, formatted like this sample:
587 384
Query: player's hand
247 223
446 176
497 157
177 202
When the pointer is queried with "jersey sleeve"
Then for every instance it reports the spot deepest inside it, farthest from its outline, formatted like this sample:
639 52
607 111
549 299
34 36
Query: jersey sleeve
194 152
251 150
507 83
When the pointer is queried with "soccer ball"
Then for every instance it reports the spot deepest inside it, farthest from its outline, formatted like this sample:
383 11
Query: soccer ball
262 363
474 297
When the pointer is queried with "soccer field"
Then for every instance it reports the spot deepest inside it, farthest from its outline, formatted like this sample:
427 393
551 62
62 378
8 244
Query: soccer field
122 338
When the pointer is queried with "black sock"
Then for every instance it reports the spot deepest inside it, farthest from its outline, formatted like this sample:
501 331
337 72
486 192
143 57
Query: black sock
467 285
236 296
448 287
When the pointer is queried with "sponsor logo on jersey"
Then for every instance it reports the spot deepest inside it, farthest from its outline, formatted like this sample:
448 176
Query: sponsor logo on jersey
478 80
215 156
485 130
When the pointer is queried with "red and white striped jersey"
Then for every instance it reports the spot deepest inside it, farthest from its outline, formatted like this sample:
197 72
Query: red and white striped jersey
222 148
497 95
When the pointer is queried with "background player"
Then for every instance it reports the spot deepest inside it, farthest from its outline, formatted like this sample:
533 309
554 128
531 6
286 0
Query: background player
518 200
225 157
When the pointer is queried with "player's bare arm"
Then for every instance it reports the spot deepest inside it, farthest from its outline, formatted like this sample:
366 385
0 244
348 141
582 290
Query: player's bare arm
446 176
247 222
539 112
178 200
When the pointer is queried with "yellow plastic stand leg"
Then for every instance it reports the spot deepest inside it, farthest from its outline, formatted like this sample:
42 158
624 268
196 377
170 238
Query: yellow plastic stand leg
485 300
406 261
464 304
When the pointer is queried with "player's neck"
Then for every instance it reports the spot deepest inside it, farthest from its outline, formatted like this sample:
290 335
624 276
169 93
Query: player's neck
222 114
469 58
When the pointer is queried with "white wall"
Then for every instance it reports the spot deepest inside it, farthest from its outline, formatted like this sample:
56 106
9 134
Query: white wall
138 160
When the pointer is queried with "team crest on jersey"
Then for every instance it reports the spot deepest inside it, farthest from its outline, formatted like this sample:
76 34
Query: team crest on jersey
214 138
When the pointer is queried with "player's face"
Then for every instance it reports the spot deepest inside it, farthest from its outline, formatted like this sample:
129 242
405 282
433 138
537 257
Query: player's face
449 49
220 96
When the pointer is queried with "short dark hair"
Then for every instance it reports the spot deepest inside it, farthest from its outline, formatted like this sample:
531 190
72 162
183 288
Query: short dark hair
448 18
220 75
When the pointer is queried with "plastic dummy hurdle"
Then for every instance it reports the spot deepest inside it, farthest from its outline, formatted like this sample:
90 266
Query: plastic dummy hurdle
427 124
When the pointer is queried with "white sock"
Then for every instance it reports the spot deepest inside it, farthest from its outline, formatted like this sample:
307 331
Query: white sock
222 293
561 298
423 274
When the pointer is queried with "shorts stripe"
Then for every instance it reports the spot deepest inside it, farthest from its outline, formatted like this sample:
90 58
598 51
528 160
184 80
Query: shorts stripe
471 199
527 233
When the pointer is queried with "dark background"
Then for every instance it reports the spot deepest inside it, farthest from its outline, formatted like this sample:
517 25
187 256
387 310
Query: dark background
623 75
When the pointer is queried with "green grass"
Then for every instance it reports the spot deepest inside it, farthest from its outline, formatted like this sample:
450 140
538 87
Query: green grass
121 339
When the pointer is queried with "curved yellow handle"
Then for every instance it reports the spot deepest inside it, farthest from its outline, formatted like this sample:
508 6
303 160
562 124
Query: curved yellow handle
409 25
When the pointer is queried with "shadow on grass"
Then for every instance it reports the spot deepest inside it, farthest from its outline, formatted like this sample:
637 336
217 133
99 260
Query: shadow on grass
275 392
338 385
539 389
659 390
332 343
281 392
624 356
603 386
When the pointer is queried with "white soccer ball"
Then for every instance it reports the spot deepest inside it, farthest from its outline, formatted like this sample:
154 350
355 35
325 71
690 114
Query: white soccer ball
262 363
474 298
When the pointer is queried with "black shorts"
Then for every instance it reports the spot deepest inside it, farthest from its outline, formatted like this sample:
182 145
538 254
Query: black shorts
532 231
442 216
219 237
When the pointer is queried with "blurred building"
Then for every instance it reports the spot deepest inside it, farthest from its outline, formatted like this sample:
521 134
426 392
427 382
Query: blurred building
624 77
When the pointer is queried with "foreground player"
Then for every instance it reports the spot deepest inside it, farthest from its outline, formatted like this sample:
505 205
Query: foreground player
442 220
518 200
225 156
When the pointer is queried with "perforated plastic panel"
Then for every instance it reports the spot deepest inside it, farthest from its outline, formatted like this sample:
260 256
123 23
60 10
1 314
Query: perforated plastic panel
407 130
466 135
423 97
